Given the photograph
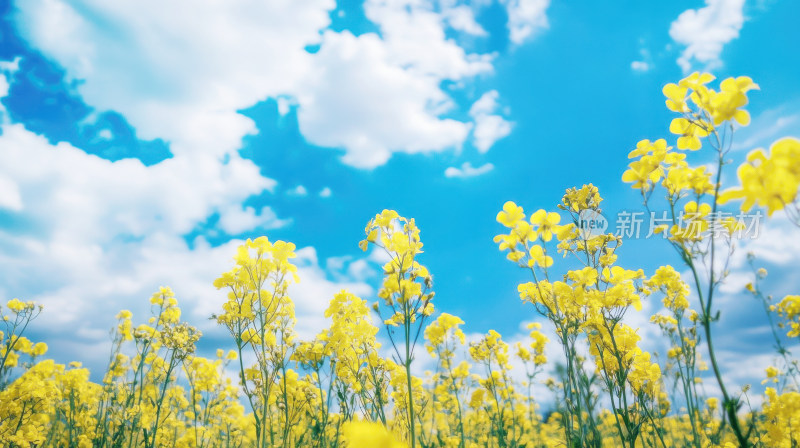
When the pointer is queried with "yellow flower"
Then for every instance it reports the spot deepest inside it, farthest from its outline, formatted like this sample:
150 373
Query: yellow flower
511 214
538 257
39 349
782 414
772 375
770 180
690 133
789 309
676 97
696 83
16 305
546 223
648 169
726 104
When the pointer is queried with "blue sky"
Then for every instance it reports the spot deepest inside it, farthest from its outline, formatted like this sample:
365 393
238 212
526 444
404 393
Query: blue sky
140 142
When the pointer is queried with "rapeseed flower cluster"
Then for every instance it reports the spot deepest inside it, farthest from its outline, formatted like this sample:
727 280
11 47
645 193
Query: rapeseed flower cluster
342 388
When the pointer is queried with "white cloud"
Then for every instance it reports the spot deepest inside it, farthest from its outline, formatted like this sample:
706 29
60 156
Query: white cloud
284 105
10 197
489 127
93 200
467 170
10 67
769 126
4 86
179 71
361 270
378 256
374 96
415 38
462 18
98 235
645 62
705 31
369 95
640 66
325 192
298 191
525 18
6 69
235 219
485 105
372 107
87 236
82 286
776 242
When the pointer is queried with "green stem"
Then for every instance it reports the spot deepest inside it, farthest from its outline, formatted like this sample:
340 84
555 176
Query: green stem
408 382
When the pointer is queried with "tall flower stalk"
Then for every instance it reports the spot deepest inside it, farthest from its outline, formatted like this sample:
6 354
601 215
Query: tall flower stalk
406 293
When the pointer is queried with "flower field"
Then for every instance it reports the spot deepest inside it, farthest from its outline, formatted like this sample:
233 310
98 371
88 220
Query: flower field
354 384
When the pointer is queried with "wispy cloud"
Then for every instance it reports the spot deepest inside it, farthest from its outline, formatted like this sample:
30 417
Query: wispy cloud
298 191
645 63
768 126
467 170
640 66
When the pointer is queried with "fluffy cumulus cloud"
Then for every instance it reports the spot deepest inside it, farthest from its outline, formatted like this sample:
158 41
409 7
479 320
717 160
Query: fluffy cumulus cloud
489 126
179 71
93 200
467 170
235 219
705 31
91 236
371 95
372 108
374 96
525 18
77 214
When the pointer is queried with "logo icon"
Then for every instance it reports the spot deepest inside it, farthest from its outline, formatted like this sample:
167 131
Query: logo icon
591 223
